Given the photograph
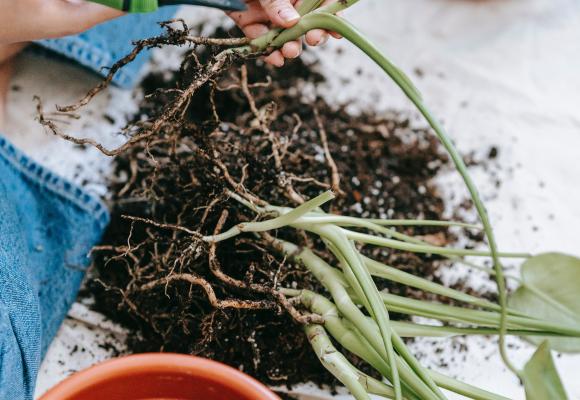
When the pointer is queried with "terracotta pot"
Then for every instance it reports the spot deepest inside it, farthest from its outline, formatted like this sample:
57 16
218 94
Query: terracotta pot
160 376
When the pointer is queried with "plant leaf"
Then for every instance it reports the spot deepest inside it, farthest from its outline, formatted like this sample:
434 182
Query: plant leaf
541 379
550 290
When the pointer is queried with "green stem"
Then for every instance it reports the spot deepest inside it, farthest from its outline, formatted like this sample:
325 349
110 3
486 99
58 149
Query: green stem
379 269
412 386
400 245
387 272
276 223
414 330
444 312
351 338
404 242
399 222
342 220
354 261
308 6
304 8
404 245
324 19
334 361
422 372
370 291
335 283
334 23
338 6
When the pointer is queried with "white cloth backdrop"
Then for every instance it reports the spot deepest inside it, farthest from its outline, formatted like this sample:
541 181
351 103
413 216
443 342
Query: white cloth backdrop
500 73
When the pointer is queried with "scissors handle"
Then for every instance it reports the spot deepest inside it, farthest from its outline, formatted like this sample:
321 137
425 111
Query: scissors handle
144 6
132 6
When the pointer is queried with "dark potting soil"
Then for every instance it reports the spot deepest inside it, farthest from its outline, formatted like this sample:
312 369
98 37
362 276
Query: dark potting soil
251 131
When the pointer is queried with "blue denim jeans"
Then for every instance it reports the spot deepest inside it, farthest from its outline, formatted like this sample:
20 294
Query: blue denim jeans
101 46
48 225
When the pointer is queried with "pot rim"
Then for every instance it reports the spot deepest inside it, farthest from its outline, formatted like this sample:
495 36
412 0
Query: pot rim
162 363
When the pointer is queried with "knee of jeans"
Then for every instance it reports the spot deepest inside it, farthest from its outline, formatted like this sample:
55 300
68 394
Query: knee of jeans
19 357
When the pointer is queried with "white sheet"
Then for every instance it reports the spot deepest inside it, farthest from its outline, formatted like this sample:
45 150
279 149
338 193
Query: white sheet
498 72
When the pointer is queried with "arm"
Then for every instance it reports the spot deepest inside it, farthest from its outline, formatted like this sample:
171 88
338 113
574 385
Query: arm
27 20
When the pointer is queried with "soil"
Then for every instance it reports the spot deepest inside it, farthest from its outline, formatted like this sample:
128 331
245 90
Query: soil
253 130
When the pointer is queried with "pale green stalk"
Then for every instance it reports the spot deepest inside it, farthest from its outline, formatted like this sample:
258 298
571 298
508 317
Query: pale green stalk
412 330
353 260
376 387
352 339
379 269
384 271
365 286
275 223
364 279
370 291
297 219
374 224
334 361
320 217
415 365
271 38
359 383
331 22
323 19
343 249
371 223
308 5
422 222
334 282
416 248
412 386
304 8
445 312
338 6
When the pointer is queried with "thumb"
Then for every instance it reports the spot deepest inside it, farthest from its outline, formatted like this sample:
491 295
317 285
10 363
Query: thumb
281 12
87 15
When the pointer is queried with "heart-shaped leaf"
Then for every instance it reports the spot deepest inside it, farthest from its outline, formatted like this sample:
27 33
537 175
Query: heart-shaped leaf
541 379
550 291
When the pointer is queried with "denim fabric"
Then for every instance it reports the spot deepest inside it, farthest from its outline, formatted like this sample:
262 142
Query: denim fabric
103 45
48 225
47 228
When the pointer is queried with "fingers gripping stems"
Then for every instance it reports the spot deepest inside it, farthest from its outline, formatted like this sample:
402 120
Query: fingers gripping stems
281 12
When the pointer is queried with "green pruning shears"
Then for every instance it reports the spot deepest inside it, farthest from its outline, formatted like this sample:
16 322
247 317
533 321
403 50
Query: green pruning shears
144 6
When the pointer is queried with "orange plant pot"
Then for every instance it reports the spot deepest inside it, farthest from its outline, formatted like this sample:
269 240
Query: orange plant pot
160 376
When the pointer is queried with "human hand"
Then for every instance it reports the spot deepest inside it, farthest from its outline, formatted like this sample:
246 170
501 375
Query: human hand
27 20
262 15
